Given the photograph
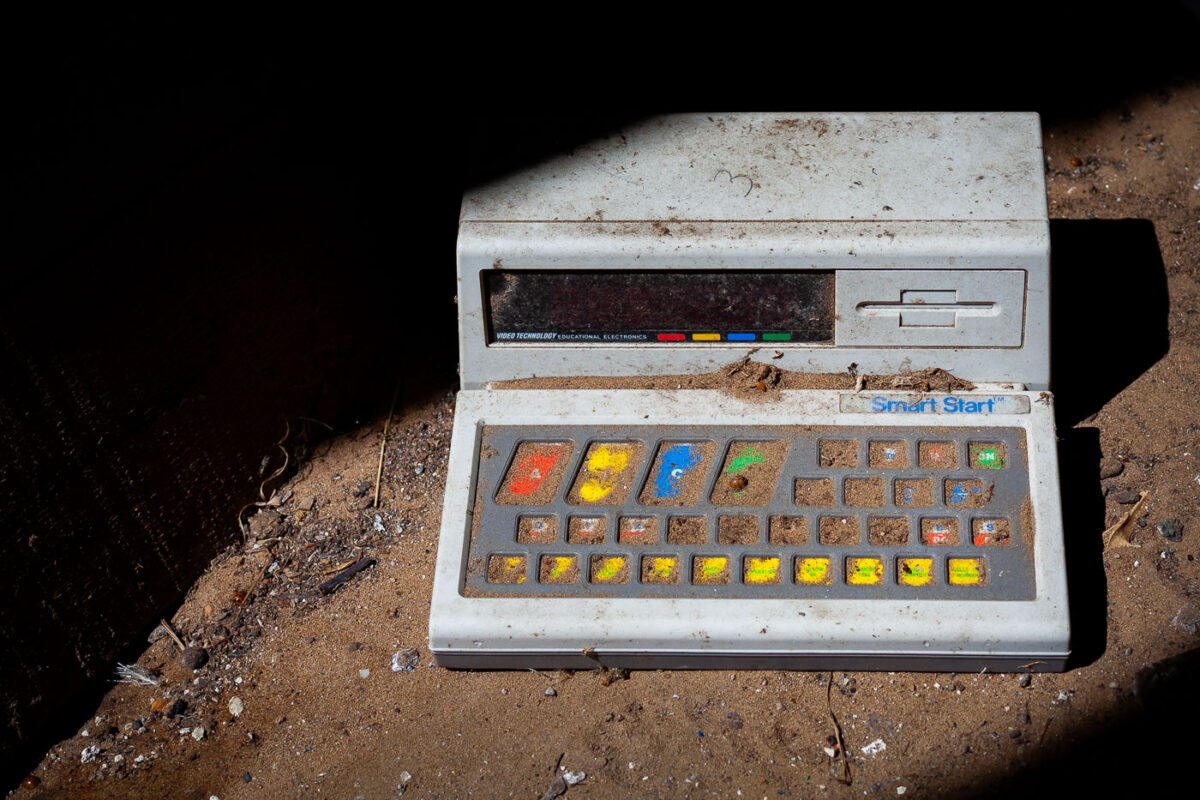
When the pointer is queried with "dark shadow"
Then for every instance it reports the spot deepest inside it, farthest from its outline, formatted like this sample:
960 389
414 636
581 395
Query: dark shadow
1108 316
1083 515
1100 758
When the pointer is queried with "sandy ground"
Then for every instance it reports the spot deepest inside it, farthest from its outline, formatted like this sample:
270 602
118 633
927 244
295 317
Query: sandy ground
313 694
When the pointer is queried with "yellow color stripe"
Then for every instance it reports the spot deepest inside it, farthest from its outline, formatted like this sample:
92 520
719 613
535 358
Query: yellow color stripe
713 566
706 337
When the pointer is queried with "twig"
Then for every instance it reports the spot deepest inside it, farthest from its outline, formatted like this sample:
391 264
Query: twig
338 568
336 581
837 731
250 592
166 626
1042 738
263 500
287 431
383 442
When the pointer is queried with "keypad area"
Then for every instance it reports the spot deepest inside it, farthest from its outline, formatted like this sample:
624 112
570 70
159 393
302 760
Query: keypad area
744 511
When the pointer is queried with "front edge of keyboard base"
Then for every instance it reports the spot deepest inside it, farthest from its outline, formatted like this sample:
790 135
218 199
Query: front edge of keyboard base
861 662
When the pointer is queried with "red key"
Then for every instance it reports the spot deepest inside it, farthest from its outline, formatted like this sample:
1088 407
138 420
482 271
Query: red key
529 473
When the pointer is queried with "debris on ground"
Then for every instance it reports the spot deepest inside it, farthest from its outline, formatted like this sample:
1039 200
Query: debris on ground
610 675
406 659
1171 530
348 572
1118 534
874 748
194 657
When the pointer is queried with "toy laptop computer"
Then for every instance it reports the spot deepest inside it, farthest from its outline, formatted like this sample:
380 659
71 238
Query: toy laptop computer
674 526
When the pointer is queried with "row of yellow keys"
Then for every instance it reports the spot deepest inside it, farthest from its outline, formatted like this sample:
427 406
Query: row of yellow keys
715 570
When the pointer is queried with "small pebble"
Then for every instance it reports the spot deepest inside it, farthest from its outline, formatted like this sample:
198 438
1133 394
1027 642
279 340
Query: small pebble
194 657
236 706
1024 680
198 733
550 692
738 482
1170 529
1127 497
1110 468
364 673
247 777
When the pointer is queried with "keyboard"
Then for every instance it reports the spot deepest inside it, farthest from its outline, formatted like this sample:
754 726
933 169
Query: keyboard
912 526
739 511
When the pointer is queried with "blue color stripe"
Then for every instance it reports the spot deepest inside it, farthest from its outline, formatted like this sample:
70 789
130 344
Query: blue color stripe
740 337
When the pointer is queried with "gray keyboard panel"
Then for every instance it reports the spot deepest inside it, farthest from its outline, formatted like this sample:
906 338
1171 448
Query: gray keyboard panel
727 511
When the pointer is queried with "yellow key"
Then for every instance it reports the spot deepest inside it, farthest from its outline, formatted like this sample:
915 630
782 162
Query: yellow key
864 571
559 566
610 570
661 568
762 570
813 571
604 467
711 569
915 571
506 569
965 571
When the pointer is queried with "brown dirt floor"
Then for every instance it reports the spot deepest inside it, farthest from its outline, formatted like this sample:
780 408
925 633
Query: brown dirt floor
325 715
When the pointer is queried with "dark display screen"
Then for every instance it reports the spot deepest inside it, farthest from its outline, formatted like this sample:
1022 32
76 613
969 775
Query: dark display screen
659 306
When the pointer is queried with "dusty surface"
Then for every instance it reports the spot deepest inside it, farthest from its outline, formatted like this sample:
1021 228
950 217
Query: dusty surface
308 694
754 378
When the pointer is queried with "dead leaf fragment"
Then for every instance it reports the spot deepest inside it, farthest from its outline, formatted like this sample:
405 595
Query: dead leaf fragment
1118 535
